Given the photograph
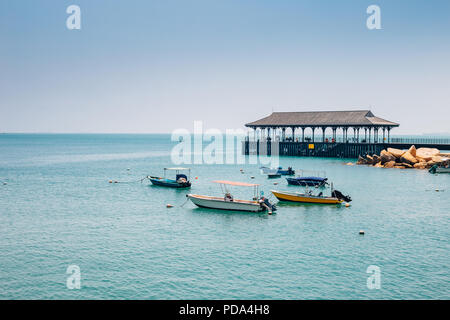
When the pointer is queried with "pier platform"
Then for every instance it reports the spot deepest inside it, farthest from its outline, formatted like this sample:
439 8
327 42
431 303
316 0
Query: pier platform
328 149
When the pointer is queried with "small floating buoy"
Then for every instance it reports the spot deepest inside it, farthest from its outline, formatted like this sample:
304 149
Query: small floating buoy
241 169
110 181
169 205
275 183
361 232
437 190
252 177
347 205
116 181
4 183
196 178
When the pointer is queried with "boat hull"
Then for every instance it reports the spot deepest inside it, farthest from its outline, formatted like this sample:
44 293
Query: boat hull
303 198
286 172
442 170
169 183
221 204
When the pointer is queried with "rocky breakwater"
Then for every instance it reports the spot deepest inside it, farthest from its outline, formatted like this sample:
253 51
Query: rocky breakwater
421 158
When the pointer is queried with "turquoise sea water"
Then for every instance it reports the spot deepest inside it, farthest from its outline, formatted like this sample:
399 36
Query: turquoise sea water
58 209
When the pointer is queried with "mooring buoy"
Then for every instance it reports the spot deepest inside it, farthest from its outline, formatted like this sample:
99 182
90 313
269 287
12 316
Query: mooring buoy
347 205
169 205
361 232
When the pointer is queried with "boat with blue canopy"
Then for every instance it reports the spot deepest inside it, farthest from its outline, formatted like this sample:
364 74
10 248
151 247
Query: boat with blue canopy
309 178
181 180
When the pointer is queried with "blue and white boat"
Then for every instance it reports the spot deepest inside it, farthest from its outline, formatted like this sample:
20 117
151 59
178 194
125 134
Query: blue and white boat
181 180
277 171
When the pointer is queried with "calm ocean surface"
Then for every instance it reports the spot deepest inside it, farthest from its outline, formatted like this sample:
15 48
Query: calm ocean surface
58 209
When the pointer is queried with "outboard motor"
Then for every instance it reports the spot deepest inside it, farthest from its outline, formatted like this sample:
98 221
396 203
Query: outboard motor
340 196
270 205
433 169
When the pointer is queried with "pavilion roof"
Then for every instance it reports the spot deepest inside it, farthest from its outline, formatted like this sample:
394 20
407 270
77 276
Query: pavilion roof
322 118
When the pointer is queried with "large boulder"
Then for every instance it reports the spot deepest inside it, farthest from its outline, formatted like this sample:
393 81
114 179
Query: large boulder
420 165
408 158
389 164
396 152
369 159
437 159
378 165
361 160
412 150
427 153
386 156
376 158
406 165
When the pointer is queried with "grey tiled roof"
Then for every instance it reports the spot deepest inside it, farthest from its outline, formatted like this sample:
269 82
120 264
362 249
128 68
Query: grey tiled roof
322 118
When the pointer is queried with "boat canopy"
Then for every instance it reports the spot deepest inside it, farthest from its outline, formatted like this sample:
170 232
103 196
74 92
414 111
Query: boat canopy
176 169
240 184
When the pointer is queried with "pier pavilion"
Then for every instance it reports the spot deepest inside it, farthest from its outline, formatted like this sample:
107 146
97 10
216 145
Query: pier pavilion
369 135
361 122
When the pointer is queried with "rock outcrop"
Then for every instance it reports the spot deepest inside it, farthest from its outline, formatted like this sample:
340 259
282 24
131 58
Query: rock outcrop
386 157
421 158
396 152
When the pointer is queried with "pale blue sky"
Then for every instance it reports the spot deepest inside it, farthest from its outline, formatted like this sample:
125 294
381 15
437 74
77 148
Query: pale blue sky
154 66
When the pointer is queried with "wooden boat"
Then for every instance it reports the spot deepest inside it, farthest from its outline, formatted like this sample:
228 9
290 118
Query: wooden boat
227 202
308 197
180 181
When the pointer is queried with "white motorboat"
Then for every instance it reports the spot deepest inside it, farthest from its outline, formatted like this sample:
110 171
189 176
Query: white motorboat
227 202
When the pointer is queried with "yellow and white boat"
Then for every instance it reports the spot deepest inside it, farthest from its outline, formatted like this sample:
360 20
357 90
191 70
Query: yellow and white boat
335 198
